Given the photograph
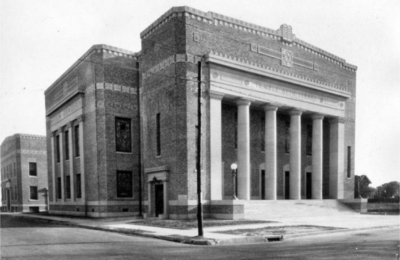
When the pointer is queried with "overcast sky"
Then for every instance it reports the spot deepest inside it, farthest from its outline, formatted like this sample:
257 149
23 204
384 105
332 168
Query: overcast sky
41 39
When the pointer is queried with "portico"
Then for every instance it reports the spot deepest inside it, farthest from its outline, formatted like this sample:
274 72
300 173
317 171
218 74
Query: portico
298 103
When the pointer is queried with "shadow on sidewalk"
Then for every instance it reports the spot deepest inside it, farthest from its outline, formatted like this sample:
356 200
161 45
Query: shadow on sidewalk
19 221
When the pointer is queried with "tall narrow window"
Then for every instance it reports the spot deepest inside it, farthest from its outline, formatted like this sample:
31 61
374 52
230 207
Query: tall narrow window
158 135
33 193
348 161
58 188
236 130
58 148
287 136
66 141
32 169
15 170
68 187
77 152
309 140
262 134
124 184
78 186
123 135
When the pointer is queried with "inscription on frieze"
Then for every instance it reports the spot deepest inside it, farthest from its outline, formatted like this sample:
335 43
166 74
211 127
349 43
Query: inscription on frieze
257 85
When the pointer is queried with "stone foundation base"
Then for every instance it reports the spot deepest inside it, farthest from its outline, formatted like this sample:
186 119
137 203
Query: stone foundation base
359 205
218 209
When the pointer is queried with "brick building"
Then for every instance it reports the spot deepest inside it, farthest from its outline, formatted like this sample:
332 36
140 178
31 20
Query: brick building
279 107
24 173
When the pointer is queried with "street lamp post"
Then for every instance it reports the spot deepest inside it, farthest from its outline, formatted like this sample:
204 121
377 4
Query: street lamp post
234 173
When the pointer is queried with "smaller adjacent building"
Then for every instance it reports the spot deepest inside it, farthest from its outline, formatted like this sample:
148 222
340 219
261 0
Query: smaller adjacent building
24 173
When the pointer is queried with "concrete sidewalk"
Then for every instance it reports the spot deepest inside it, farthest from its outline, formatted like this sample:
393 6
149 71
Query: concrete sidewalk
211 237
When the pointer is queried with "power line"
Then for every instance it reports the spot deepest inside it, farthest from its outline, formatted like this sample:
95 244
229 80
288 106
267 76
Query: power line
139 70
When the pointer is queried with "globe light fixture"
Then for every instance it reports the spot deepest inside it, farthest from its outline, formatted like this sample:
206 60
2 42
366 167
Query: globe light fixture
234 173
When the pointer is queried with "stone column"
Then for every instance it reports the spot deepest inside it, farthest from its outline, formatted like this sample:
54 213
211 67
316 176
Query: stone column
53 167
243 151
295 154
215 146
270 151
165 187
82 158
62 164
317 163
71 162
336 158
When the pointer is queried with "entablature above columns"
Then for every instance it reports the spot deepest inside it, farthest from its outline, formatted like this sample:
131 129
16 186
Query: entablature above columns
270 72
233 84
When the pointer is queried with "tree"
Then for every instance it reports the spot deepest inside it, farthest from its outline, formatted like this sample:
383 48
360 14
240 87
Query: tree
388 190
361 187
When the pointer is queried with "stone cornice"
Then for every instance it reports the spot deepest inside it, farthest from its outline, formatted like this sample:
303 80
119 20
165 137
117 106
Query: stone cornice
22 136
98 48
284 33
156 169
58 104
248 66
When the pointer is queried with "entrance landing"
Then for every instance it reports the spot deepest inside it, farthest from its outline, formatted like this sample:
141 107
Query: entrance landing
261 209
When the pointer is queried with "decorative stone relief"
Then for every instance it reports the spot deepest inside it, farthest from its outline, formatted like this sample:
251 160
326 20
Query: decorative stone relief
196 37
287 58
286 33
253 47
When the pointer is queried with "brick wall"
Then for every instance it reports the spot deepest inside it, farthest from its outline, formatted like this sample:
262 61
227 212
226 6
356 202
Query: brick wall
17 151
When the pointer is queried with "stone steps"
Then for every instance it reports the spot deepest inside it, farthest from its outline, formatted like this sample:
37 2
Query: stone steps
257 209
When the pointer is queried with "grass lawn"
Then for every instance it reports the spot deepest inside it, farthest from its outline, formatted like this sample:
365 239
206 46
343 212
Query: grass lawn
191 224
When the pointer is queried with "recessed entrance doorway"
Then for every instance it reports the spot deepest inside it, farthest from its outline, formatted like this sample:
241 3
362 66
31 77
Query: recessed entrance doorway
159 199
308 185
287 185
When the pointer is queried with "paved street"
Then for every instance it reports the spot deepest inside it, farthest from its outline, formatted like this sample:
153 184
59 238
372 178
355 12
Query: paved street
23 238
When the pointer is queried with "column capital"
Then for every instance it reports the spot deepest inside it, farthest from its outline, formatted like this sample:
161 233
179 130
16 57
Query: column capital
243 102
270 107
68 126
80 118
339 120
295 112
317 117
216 95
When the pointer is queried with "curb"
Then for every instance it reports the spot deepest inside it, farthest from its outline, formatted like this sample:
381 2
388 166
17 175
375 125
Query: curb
172 238
203 240
337 231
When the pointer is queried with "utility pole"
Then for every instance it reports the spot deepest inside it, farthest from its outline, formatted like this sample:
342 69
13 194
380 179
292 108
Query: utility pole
198 161
140 138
